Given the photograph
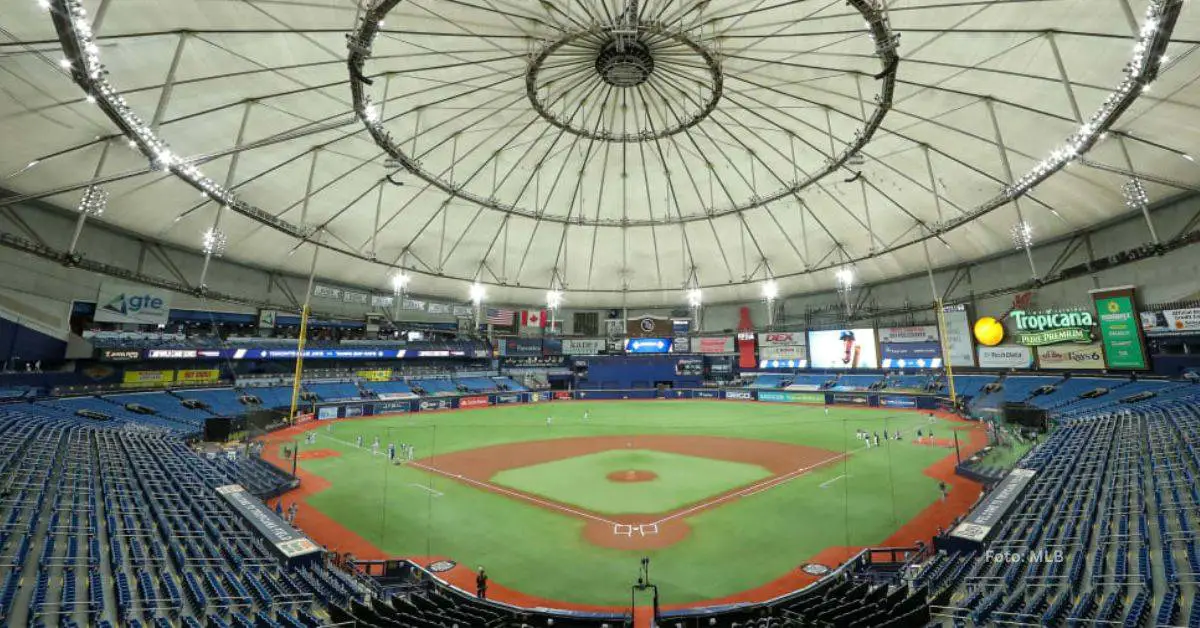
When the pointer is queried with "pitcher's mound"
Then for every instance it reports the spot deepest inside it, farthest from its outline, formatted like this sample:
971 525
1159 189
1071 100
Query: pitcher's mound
632 475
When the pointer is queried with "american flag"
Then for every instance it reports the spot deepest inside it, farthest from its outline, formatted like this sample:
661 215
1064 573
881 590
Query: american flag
499 317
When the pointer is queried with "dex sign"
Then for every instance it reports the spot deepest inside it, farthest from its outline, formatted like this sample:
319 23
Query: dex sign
122 303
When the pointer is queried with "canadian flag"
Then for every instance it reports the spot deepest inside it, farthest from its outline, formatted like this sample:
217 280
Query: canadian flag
533 318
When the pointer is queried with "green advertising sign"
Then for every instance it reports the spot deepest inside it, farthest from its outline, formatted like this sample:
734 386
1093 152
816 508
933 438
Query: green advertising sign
1053 336
1119 329
1049 327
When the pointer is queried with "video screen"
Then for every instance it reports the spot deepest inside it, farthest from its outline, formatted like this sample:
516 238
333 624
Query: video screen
843 349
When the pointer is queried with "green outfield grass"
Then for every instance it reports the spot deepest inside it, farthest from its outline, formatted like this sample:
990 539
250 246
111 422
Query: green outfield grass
859 500
582 480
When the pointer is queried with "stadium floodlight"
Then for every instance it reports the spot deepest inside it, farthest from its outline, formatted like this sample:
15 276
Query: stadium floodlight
214 242
845 279
399 282
477 293
94 201
770 290
554 299
1022 235
695 297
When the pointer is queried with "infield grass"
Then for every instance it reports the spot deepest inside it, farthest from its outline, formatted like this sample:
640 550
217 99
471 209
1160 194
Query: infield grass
859 500
583 480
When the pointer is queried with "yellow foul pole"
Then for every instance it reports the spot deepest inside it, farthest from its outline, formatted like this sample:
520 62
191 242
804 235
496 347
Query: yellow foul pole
312 273
941 318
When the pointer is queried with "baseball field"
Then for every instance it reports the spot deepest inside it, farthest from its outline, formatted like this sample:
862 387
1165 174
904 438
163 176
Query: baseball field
730 500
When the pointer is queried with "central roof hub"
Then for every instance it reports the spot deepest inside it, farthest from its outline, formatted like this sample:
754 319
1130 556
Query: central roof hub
625 63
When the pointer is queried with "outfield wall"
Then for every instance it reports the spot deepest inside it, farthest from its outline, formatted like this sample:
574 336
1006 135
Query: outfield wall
365 408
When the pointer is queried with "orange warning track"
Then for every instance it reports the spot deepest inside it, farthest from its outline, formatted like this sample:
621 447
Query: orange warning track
940 515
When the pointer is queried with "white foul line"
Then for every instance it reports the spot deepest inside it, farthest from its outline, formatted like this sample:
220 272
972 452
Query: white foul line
500 489
753 489
828 482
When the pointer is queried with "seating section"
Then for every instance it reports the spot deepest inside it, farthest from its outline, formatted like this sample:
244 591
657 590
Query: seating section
272 396
109 526
1107 527
220 401
478 384
768 380
103 410
1021 387
830 602
164 405
436 386
334 391
388 388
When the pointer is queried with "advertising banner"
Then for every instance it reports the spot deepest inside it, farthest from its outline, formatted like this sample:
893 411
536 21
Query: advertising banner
278 534
739 394
783 352
721 345
124 303
1071 356
897 402
1182 320
324 413
149 377
582 346
389 407
918 333
858 400
911 351
120 355
552 346
648 345
562 394
1119 329
681 344
327 292
781 339
790 397
434 404
843 349
376 375
473 402
202 376
783 364
706 394
353 411
1005 357
173 354
522 347
267 318
960 348
1035 329
511 398
646 325
979 522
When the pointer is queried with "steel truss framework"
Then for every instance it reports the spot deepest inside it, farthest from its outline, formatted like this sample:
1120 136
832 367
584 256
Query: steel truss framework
739 191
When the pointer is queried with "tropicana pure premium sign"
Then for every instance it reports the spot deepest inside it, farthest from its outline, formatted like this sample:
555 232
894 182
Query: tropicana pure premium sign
1052 327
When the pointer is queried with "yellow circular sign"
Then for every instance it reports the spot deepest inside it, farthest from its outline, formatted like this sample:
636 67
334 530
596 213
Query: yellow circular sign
988 331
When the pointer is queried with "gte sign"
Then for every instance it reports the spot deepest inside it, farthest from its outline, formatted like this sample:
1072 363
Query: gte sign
118 303
131 305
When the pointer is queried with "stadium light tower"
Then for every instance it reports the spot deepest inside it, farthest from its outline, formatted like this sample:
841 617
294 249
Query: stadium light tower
845 285
770 291
477 295
399 286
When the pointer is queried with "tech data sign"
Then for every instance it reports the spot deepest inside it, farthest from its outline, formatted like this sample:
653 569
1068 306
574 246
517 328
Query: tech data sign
122 303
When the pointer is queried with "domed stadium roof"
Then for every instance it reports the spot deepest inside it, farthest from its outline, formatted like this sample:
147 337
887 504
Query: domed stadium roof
621 151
